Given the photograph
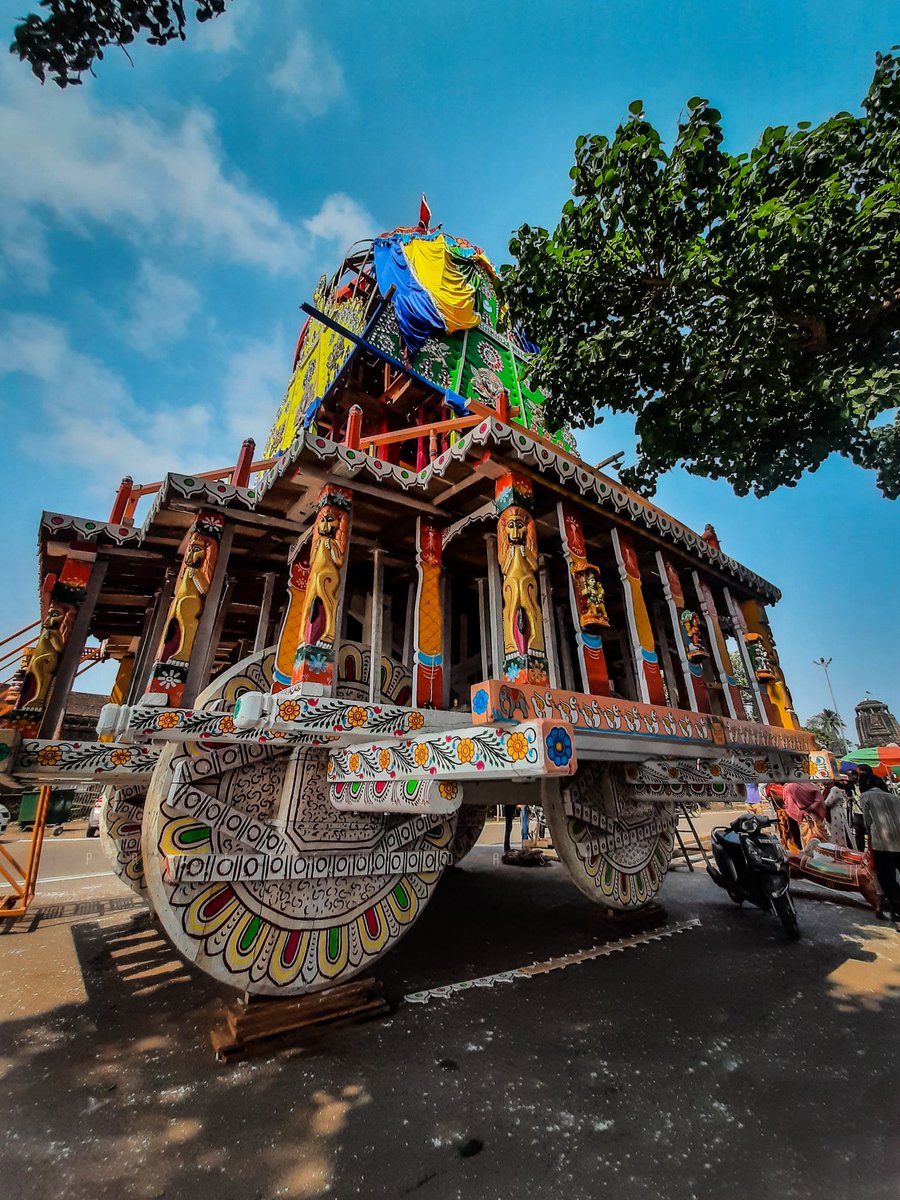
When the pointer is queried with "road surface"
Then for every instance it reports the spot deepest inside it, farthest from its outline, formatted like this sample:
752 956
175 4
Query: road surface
723 1063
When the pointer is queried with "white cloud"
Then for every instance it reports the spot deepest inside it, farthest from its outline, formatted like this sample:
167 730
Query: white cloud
310 74
90 425
342 221
224 33
68 160
162 306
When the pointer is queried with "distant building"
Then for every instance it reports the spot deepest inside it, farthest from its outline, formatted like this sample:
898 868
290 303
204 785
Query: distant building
876 725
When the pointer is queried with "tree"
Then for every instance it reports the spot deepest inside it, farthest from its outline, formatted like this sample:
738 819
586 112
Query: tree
745 308
65 43
827 728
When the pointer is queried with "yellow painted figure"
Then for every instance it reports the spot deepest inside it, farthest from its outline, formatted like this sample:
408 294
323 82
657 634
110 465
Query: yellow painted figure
188 602
44 661
523 632
319 621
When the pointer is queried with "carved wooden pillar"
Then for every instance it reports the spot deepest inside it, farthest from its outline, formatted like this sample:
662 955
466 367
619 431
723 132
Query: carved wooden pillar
767 668
123 680
587 604
289 636
524 652
763 704
196 574
316 659
428 630
686 625
719 649
48 668
643 645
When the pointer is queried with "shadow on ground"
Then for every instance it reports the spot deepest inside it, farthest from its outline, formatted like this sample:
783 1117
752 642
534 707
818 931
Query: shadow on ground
722 1063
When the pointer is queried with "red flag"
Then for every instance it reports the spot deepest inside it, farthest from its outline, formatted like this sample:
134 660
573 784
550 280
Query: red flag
424 214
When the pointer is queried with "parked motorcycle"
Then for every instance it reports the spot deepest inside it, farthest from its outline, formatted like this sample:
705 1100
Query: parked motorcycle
752 865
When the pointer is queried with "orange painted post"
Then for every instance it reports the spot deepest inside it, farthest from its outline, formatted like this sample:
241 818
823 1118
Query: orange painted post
428 626
120 504
686 625
721 657
24 881
240 476
587 603
354 428
650 681
289 637
503 406
767 668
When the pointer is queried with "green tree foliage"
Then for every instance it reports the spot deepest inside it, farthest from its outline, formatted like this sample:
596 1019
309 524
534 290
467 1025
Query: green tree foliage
66 42
745 308
828 730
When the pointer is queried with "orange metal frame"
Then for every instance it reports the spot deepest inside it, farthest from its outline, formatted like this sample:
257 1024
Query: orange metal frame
24 880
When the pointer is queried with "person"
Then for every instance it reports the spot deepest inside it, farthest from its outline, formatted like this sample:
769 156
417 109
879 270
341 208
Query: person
803 802
837 805
509 815
859 782
526 822
881 813
788 829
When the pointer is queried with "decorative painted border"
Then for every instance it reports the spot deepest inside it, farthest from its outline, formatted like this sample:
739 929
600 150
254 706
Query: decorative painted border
484 752
495 700
263 868
606 493
398 796
136 721
49 761
292 712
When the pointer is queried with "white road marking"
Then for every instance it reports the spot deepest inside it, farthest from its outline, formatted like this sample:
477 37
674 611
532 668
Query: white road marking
68 878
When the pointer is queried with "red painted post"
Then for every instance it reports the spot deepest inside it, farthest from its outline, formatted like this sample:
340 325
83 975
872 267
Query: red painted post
123 495
354 428
503 406
240 476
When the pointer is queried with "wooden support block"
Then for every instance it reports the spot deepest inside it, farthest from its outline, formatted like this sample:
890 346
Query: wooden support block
263 1025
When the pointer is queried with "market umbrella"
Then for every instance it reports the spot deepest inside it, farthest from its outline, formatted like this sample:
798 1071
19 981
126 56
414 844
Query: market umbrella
882 759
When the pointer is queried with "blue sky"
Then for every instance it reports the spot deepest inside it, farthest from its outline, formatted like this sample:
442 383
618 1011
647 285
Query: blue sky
160 225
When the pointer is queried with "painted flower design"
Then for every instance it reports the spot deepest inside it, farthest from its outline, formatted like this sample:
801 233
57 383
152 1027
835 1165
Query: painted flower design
318 663
49 756
226 725
120 757
416 720
384 759
420 754
517 746
448 791
167 720
465 750
288 710
356 716
480 702
168 680
210 524
559 746
353 763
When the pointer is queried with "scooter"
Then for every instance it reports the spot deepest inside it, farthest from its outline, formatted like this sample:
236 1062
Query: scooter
751 865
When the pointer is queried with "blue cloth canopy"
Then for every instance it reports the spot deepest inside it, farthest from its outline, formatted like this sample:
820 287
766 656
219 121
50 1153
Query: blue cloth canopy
416 312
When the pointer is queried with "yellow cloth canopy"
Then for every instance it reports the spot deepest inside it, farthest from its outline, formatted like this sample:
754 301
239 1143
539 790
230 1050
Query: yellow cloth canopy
434 268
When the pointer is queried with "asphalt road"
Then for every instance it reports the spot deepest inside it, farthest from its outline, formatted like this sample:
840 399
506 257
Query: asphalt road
720 1063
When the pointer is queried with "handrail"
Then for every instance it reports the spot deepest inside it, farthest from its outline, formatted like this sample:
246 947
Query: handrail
417 431
19 632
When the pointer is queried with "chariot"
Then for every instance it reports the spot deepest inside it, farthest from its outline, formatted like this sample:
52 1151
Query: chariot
419 604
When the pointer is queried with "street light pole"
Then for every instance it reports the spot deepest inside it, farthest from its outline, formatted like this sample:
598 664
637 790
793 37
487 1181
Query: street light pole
825 663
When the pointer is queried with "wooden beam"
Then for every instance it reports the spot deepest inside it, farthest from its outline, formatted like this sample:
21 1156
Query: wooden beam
367 489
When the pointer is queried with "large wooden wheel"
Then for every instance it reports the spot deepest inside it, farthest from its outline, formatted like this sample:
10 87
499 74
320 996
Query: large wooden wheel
470 821
616 849
121 815
258 880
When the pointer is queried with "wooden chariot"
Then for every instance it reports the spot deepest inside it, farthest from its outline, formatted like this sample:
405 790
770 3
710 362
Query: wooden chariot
418 605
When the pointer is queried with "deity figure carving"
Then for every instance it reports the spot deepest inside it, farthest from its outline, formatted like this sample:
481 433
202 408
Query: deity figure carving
590 597
191 591
690 629
319 619
44 661
517 549
759 656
